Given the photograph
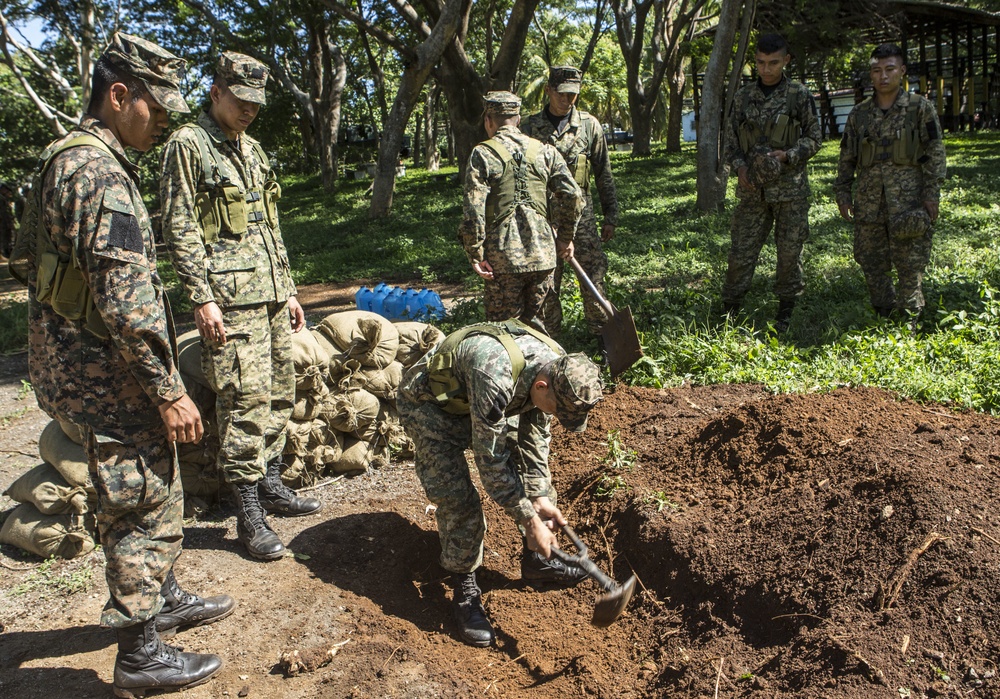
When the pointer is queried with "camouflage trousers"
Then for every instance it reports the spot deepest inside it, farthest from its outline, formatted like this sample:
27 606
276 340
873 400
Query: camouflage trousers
440 441
140 510
589 252
253 377
877 250
752 221
518 295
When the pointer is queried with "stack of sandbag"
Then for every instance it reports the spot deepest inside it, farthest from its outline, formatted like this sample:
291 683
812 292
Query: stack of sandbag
309 447
55 514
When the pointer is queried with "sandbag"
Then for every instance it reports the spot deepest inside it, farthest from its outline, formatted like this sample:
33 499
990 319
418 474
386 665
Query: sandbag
354 459
383 383
200 475
76 433
415 340
310 359
399 443
65 536
43 487
351 411
309 405
69 458
362 335
304 437
189 358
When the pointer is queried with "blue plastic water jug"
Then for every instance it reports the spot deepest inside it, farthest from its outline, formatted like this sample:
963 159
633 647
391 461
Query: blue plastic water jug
432 305
363 299
411 309
377 304
394 304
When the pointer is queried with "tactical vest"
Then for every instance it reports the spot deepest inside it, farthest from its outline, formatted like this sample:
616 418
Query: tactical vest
222 206
441 380
903 148
581 168
783 131
521 183
59 281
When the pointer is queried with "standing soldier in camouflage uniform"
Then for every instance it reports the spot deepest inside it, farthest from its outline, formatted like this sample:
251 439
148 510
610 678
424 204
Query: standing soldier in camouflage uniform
461 394
220 221
102 355
517 190
893 141
579 138
8 226
774 131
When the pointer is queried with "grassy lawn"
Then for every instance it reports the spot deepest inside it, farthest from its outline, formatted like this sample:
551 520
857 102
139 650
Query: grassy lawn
667 263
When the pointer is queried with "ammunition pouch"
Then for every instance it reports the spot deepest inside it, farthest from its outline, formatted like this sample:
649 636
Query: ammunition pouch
902 148
60 283
784 132
272 193
581 172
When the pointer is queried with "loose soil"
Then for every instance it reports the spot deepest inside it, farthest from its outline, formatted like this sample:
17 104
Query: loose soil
844 545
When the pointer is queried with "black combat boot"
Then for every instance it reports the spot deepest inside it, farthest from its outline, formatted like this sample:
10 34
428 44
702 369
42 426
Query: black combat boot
145 662
784 317
279 499
252 527
473 625
182 609
535 569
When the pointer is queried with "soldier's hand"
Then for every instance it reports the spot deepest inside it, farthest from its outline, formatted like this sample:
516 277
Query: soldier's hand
607 232
779 155
182 420
549 514
298 316
539 538
208 318
564 251
483 269
744 181
932 210
846 212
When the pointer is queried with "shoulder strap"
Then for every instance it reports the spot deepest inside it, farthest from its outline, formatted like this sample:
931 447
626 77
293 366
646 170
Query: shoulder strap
500 150
209 166
261 155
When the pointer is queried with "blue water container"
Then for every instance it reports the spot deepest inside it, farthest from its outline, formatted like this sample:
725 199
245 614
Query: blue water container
411 309
363 299
379 293
433 306
394 304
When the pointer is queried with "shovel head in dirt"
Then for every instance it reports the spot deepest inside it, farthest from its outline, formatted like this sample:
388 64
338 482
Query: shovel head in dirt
612 603
621 341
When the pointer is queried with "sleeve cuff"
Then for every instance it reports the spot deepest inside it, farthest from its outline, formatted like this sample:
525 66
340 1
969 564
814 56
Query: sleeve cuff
522 511
171 389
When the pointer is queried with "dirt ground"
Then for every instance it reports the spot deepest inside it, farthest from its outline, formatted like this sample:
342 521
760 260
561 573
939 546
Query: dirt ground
844 545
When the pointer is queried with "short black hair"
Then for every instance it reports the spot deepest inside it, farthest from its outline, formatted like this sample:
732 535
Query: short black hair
105 75
888 51
771 43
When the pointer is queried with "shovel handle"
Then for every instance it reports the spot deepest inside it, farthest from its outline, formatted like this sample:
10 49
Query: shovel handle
585 280
581 559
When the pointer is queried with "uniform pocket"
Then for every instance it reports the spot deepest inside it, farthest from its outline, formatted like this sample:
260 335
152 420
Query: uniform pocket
272 193
233 210
130 476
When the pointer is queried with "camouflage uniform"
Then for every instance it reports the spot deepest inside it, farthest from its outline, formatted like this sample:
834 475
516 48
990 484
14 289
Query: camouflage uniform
520 247
7 224
111 374
513 468
887 192
581 144
246 272
784 203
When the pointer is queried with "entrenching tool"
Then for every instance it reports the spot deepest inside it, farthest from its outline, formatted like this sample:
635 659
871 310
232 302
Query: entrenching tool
621 341
610 605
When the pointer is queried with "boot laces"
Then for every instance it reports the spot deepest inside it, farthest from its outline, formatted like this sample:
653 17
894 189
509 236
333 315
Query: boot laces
251 506
180 595
469 588
163 652
275 487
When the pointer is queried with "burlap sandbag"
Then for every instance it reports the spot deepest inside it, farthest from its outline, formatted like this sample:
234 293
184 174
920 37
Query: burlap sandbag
200 475
415 339
310 359
399 442
304 437
361 335
383 383
43 487
309 404
351 411
354 459
69 458
65 536
77 433
189 357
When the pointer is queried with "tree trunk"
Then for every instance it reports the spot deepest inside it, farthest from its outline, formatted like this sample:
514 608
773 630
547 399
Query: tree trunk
432 156
676 104
328 76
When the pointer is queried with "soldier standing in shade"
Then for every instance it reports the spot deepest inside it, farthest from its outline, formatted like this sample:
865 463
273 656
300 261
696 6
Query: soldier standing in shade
8 225
892 141
102 355
579 138
220 222
517 190
774 131
461 394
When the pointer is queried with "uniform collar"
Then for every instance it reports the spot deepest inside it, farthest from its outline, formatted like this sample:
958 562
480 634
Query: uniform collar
508 129
95 127
214 131
782 84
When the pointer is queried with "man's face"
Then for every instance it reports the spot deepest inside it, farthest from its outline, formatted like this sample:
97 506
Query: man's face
887 74
560 103
140 121
230 112
771 65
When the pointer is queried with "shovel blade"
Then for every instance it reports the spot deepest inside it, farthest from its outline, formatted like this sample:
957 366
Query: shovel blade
621 341
610 605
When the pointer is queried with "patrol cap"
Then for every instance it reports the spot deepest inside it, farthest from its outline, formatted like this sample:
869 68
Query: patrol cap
502 104
762 169
910 225
576 382
158 69
245 76
565 79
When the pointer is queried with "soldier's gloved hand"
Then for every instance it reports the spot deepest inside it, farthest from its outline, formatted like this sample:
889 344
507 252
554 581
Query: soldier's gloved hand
744 180
607 232
564 251
297 315
208 318
483 269
539 537
932 210
182 420
847 212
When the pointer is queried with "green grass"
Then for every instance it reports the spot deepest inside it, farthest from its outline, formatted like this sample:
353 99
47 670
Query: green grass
668 261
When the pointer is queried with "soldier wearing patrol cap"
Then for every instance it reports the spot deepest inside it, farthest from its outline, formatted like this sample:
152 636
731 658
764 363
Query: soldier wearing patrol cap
101 355
220 222
517 190
465 392
579 138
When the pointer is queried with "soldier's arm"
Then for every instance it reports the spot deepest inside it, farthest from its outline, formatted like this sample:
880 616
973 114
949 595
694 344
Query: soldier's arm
472 230
846 166
811 139
533 439
122 280
733 153
566 201
932 162
181 228
600 161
